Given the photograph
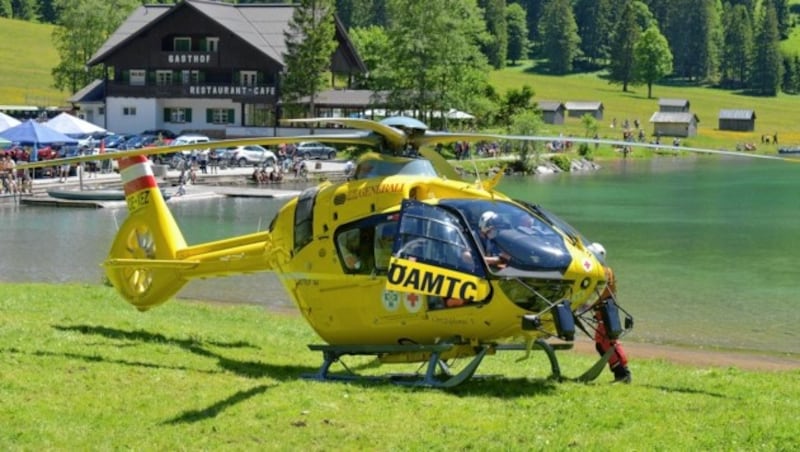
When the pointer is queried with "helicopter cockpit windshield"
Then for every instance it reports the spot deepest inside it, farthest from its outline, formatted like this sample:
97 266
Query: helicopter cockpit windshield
452 235
527 241
387 166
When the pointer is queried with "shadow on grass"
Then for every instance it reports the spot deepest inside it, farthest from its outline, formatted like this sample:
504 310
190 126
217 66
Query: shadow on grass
249 369
685 390
215 409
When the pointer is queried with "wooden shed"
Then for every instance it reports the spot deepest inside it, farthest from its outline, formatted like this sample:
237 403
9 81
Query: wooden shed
552 111
578 109
674 124
739 120
673 105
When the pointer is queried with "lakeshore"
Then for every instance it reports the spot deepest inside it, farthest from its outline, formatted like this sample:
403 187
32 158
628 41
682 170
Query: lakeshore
644 343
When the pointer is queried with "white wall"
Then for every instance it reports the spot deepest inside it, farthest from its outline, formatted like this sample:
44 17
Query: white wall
150 114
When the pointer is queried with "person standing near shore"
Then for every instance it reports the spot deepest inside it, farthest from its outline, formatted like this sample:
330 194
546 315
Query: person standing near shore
603 340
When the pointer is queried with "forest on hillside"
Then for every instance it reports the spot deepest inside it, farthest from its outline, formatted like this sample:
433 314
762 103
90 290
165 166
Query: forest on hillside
729 44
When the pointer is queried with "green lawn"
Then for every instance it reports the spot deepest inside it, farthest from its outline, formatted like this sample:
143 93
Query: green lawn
773 114
82 370
28 56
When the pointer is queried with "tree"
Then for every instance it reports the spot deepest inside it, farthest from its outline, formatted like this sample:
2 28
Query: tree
526 122
652 58
373 46
766 75
517 33
5 9
497 47
25 9
560 41
693 30
737 46
620 70
82 27
514 102
594 19
310 44
439 65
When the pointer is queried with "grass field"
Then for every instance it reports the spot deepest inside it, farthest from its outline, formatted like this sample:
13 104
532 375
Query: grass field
773 114
81 370
28 57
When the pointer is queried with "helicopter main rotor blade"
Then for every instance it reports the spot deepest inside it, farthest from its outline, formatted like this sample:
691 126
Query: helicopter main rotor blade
368 140
432 138
394 137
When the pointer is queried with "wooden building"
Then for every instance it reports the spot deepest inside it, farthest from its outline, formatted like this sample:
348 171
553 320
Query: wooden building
198 65
580 108
673 105
738 120
669 124
552 111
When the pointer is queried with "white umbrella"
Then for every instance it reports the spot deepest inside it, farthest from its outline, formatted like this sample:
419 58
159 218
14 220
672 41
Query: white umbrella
457 114
7 122
73 125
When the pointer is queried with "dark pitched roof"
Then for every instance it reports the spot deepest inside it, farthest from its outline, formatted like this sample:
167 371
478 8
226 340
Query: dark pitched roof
260 25
93 92
737 114
673 102
550 105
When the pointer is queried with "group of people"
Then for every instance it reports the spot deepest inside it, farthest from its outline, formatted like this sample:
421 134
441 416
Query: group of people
267 174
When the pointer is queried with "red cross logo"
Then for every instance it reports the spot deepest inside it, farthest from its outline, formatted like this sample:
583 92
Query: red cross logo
412 299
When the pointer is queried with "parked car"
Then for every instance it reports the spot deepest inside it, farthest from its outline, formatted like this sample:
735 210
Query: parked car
315 150
114 141
140 141
166 135
200 140
250 155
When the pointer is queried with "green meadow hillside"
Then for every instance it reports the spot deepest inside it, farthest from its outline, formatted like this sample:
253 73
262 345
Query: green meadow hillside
28 56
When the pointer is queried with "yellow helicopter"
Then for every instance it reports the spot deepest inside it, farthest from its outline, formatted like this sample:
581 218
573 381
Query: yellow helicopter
404 261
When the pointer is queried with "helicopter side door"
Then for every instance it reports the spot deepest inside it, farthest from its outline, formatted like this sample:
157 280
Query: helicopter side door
433 256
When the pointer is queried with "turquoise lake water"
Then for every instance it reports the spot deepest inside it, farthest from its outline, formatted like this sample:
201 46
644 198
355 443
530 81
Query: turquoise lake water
705 250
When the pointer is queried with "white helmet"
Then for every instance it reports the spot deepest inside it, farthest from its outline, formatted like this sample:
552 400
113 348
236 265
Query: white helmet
487 218
598 249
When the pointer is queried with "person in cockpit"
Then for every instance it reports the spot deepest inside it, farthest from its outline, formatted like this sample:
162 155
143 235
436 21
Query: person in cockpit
492 254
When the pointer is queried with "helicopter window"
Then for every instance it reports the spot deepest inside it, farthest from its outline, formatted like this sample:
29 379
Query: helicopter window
385 234
434 236
304 218
355 249
380 168
529 241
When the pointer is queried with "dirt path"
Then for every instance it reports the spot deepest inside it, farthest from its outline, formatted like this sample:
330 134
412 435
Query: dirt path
702 358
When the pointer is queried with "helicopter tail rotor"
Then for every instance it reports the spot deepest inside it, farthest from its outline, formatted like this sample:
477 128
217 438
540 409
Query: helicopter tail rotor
141 263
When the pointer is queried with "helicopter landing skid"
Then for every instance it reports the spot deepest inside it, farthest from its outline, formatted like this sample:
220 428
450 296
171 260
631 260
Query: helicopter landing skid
550 350
437 374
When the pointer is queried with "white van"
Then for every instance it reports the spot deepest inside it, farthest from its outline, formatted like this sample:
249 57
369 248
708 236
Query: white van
191 139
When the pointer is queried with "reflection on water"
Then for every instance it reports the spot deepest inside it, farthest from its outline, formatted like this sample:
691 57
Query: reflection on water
704 250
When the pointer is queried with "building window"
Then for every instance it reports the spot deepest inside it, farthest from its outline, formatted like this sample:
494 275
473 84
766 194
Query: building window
190 77
248 78
137 77
128 111
212 45
101 111
182 44
163 78
220 115
178 115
